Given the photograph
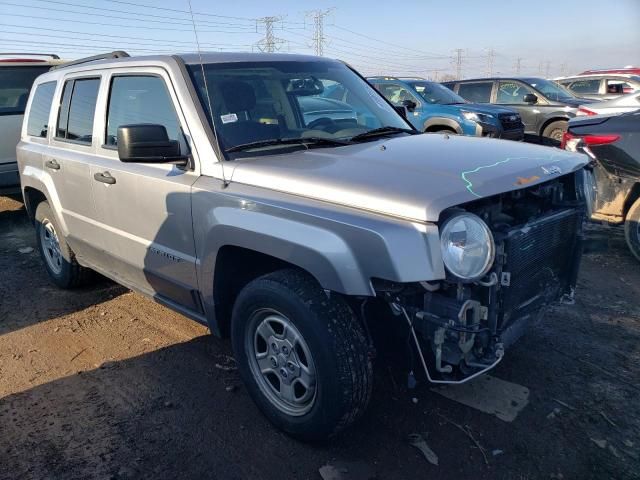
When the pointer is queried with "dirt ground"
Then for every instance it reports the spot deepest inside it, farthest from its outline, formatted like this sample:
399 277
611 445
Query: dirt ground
104 383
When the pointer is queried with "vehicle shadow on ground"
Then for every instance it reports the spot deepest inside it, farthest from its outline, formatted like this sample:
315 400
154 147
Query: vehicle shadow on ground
181 412
21 268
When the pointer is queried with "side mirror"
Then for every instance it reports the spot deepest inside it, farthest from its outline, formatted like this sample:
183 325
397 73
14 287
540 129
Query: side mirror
148 143
409 104
530 98
402 110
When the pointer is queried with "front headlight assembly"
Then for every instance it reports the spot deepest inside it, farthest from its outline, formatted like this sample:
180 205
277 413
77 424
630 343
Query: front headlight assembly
476 117
467 246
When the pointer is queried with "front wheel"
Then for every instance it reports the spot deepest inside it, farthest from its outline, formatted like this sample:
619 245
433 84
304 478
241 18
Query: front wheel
303 355
632 229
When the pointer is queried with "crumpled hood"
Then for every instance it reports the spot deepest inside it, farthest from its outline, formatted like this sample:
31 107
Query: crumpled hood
413 177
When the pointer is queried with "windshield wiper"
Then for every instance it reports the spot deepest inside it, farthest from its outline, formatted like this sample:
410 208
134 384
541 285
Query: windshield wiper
307 141
379 132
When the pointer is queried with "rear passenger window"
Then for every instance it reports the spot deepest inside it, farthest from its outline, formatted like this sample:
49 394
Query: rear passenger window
141 99
37 124
476 92
585 86
77 111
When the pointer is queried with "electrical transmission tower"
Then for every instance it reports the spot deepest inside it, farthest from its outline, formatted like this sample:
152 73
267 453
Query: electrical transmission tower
270 43
563 69
458 61
547 69
319 39
491 56
518 65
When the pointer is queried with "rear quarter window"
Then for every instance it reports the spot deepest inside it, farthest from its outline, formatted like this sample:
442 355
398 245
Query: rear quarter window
38 121
585 86
476 92
15 84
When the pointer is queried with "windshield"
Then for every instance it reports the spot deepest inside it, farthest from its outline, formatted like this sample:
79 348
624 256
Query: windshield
267 105
435 93
549 89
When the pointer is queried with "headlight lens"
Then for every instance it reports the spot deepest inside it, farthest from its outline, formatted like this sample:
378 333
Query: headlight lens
467 246
476 117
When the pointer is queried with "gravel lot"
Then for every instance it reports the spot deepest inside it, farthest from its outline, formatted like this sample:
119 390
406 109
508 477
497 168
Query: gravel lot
104 383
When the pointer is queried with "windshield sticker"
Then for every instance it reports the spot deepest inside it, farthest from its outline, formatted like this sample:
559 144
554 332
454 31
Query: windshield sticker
229 118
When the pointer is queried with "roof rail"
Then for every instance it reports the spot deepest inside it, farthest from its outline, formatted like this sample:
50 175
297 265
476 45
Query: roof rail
52 55
102 56
412 78
383 77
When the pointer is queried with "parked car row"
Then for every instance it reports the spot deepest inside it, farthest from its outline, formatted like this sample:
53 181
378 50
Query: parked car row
544 106
432 107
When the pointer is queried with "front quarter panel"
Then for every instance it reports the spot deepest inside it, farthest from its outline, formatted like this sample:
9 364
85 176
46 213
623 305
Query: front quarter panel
341 247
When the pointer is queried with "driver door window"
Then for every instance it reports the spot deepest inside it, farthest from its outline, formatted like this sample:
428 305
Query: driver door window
396 94
512 93
141 99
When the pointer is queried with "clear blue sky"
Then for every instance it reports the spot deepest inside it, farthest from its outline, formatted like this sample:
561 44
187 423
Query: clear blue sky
400 37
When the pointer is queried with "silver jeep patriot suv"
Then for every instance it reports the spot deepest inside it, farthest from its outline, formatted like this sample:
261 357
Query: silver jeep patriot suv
233 189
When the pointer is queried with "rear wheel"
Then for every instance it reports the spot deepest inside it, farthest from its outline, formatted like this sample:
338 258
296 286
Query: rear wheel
303 355
632 228
58 258
555 130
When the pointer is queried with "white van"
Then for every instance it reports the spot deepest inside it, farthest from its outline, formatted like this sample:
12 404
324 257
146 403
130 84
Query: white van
17 73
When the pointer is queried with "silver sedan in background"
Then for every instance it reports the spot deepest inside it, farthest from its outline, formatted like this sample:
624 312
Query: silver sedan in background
626 103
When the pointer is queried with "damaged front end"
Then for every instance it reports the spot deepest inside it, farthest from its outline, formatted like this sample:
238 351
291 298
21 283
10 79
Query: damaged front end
460 326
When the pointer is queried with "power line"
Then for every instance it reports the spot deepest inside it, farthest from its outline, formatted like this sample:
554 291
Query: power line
246 19
402 47
111 24
167 21
171 19
120 37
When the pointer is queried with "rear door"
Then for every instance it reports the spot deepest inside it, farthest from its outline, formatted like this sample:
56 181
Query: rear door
68 158
476 92
144 210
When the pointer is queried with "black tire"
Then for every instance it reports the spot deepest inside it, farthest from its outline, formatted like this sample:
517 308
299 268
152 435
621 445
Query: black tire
632 228
555 130
68 274
336 342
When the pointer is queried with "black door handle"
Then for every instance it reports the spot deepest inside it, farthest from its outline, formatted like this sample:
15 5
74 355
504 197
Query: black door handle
52 164
104 177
